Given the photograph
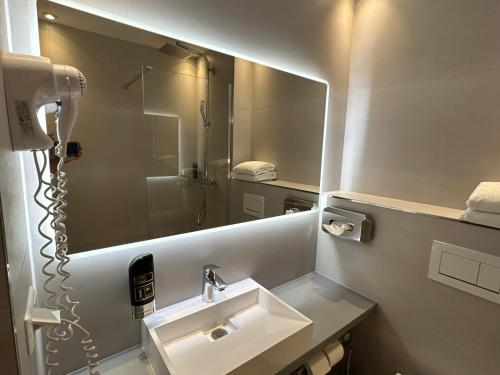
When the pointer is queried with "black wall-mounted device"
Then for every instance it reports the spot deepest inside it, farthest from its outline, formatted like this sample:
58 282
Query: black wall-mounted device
72 149
142 285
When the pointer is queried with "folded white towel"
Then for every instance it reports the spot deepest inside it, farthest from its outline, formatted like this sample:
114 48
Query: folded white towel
269 176
483 218
486 197
254 168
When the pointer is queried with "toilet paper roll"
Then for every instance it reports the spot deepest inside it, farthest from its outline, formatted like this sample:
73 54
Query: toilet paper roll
334 352
318 364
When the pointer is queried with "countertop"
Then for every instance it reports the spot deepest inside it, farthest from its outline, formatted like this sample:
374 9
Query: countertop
333 308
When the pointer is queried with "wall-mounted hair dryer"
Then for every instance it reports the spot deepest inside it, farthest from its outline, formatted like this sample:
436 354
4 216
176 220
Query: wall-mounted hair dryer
32 82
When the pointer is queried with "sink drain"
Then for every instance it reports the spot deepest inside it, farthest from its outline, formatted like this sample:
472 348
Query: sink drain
218 333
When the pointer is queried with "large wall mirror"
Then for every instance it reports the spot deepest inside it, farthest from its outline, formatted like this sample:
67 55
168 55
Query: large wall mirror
175 138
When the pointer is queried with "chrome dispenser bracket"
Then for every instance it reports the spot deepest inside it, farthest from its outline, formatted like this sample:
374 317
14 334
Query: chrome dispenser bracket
293 205
36 317
346 224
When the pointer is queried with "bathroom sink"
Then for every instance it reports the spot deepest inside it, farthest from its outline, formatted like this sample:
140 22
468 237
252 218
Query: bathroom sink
246 330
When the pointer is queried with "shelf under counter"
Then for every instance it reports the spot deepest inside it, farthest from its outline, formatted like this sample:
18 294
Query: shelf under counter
333 308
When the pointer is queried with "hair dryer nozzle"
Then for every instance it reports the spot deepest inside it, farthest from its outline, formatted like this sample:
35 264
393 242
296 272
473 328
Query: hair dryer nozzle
70 86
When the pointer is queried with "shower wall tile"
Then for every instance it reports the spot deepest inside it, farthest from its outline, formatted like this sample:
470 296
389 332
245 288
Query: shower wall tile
286 123
242 135
333 140
275 88
105 72
430 142
400 42
242 122
106 187
243 83
111 128
291 137
423 100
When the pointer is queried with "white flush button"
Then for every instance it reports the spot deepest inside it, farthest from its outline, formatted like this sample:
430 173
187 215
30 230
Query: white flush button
489 277
471 271
253 205
459 267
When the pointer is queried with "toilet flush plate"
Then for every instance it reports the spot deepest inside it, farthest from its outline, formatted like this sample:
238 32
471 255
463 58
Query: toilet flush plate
469 270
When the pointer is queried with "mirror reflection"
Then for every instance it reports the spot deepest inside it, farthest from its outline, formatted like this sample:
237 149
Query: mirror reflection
174 138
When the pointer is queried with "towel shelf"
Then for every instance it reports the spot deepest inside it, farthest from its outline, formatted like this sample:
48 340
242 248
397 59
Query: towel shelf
414 208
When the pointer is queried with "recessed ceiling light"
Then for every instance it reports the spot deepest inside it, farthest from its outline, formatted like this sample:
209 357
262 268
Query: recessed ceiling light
50 16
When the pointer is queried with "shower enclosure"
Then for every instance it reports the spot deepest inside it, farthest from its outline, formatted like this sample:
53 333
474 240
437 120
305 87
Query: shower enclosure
187 144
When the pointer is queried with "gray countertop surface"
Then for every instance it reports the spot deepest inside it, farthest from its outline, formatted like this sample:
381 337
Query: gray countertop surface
333 308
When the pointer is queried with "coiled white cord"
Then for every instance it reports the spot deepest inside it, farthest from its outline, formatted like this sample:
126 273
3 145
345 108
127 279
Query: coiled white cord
46 253
62 297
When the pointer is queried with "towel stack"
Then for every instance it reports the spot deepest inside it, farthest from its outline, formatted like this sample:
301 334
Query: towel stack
255 171
483 206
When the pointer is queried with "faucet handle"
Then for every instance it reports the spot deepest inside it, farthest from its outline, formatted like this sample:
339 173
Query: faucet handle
210 267
211 276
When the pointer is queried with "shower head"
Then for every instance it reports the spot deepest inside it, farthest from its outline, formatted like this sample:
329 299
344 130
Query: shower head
192 51
177 51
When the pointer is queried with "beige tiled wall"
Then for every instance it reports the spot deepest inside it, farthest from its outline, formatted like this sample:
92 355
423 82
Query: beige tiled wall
423 113
288 119
279 118
421 327
422 125
242 122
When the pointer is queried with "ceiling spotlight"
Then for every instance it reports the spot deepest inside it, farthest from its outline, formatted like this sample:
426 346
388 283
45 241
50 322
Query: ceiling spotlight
50 16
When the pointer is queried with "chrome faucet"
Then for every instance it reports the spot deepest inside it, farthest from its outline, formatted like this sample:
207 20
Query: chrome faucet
211 281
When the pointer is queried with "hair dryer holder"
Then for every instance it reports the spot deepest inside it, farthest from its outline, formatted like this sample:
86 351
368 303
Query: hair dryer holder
36 317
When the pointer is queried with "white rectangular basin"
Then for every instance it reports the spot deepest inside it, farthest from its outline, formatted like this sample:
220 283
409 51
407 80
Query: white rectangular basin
246 330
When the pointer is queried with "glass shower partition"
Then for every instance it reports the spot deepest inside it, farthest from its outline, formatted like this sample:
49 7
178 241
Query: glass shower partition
174 151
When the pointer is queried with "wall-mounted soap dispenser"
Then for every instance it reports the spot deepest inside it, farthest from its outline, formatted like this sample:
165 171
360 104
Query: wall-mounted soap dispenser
142 286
